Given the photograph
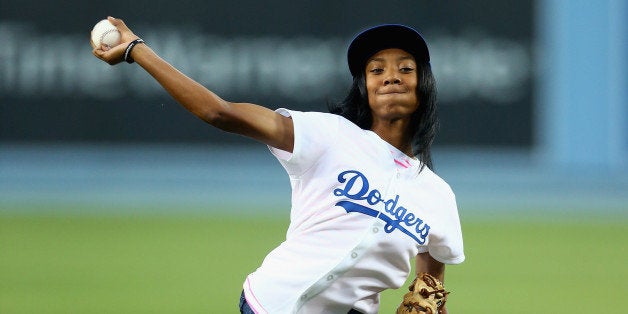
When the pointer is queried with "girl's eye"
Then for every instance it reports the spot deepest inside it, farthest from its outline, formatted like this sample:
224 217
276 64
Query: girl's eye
377 70
407 69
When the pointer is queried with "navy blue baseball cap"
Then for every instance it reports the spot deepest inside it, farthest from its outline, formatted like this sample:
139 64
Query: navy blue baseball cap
370 41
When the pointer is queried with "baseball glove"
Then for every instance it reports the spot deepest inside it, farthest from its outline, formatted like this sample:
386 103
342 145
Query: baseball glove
427 296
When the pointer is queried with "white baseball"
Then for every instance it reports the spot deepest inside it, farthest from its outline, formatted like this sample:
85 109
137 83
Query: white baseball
105 33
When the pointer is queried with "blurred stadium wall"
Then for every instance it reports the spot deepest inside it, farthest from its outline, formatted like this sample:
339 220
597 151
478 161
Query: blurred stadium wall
534 104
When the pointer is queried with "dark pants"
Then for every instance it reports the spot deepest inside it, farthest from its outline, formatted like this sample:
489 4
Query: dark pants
246 309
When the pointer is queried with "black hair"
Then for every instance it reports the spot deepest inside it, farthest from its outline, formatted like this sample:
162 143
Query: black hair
424 125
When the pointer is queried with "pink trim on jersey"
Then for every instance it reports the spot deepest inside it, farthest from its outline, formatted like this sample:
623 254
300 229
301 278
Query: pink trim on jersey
256 302
405 165
401 162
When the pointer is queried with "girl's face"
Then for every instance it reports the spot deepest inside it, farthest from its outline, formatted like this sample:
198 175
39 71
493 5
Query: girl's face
391 82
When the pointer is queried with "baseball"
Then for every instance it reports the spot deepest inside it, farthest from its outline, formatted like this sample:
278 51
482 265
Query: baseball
106 34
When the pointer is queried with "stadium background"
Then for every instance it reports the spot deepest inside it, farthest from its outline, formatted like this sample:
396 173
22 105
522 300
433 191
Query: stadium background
112 198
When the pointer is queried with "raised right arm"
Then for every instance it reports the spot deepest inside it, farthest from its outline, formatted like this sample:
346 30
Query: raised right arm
247 119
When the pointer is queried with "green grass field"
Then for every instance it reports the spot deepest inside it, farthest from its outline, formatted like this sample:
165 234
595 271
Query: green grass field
140 263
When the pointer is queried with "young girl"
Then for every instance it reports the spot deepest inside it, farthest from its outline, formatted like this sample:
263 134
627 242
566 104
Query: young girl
364 199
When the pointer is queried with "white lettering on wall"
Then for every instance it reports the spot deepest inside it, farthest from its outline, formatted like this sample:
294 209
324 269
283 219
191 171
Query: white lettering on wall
34 64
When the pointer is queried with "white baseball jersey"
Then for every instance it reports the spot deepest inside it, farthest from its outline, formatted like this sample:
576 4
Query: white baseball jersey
361 210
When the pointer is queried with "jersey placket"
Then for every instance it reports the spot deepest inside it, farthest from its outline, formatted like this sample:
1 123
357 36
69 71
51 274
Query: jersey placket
353 257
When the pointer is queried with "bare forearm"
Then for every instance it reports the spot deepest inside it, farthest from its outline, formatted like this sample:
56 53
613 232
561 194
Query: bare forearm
187 92
247 119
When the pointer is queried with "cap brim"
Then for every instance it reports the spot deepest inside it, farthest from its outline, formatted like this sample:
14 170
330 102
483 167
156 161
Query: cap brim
380 37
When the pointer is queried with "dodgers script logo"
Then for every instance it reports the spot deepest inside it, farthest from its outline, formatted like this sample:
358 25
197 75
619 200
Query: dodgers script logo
356 187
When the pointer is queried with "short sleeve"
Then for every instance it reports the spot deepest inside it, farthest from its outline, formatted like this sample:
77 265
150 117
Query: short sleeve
313 134
447 246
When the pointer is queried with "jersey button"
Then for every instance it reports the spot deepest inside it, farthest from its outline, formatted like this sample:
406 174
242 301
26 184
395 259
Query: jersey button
330 277
375 230
354 254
